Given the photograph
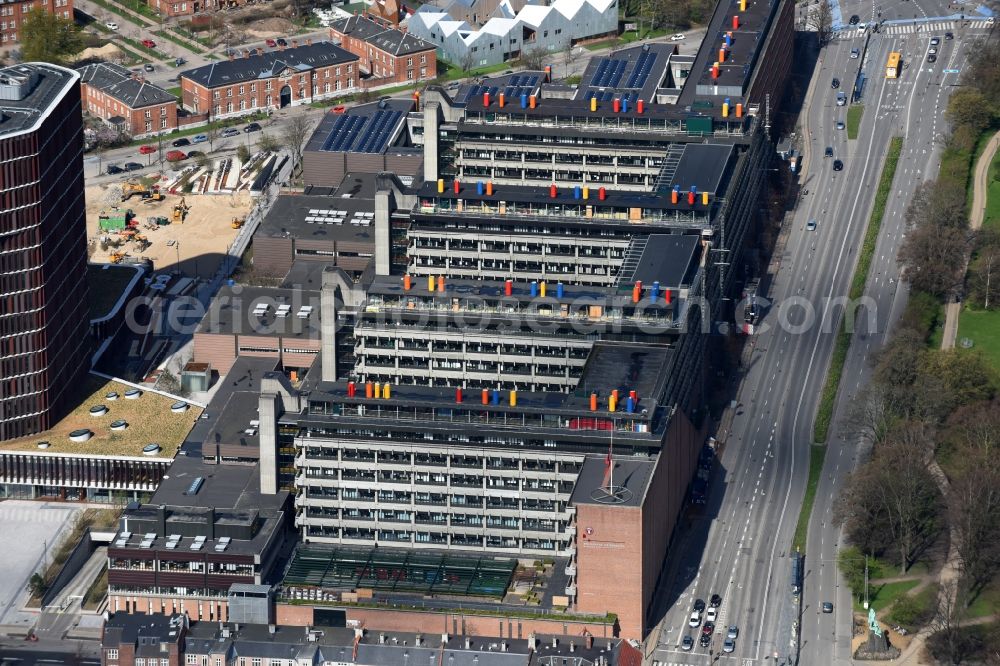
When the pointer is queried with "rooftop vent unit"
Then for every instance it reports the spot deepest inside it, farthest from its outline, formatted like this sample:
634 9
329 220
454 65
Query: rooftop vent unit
199 543
223 544
123 539
173 541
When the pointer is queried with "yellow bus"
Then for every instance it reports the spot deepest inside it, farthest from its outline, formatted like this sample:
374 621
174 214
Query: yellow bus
893 66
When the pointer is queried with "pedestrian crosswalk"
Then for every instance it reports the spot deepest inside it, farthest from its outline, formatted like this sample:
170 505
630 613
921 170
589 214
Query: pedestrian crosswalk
922 28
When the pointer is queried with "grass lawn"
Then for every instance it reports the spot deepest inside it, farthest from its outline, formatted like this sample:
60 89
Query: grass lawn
881 596
983 328
992 216
105 286
626 38
175 91
854 120
149 418
987 603
817 452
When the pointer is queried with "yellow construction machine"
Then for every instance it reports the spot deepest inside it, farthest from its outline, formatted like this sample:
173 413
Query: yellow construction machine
237 222
116 257
130 188
180 211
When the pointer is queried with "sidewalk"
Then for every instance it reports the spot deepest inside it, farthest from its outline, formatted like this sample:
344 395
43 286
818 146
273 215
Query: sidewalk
980 186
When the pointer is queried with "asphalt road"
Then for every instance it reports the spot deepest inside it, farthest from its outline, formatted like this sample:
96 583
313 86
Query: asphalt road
739 547
912 107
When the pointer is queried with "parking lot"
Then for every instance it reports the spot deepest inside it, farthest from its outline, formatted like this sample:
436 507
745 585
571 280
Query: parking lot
27 531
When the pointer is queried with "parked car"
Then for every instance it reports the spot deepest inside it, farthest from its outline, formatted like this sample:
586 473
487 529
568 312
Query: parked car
838 165
148 67
149 43
281 41
230 131
195 153
676 38
252 127
114 170
270 42
181 142
111 25
147 150
176 156
133 166
179 61
199 138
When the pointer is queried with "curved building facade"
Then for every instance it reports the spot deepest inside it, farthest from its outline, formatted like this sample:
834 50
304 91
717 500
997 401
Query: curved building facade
44 335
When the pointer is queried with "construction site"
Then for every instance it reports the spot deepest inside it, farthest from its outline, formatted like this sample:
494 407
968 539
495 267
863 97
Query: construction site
136 220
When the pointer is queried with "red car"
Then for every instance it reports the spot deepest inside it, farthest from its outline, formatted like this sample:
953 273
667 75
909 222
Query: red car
149 43
176 156
270 42
147 150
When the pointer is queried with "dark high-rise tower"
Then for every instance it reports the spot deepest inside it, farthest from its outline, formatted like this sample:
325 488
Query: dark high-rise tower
44 328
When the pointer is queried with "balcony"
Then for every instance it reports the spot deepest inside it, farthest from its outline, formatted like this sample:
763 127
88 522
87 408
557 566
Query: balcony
571 590
571 569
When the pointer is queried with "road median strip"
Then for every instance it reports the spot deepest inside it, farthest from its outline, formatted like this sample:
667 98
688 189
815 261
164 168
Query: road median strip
828 398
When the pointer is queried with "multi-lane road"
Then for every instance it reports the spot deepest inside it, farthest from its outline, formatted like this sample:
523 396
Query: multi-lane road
739 546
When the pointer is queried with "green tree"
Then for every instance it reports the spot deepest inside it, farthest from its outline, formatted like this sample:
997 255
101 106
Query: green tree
968 106
243 153
48 38
37 585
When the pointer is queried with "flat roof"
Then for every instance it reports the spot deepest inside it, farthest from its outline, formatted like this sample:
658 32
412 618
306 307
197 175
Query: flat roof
705 166
625 367
629 480
368 128
667 259
233 311
564 195
28 92
511 85
320 217
149 420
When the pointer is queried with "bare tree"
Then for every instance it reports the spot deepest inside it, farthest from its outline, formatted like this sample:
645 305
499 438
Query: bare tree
295 134
532 58
268 143
467 62
824 22
872 414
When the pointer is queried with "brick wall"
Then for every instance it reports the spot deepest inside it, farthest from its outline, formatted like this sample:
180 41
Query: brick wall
140 122
386 67
12 17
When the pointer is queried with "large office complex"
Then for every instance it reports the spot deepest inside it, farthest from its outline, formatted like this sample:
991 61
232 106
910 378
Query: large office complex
44 327
505 396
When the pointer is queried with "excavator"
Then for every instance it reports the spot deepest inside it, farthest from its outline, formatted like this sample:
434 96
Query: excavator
180 211
130 188
116 257
237 222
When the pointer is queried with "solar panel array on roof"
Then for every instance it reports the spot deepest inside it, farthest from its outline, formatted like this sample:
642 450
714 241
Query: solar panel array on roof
477 90
609 73
609 95
362 134
520 85
640 72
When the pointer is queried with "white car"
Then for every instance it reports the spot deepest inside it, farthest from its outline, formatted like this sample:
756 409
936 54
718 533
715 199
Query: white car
695 619
811 225
111 25
676 38
862 27
710 615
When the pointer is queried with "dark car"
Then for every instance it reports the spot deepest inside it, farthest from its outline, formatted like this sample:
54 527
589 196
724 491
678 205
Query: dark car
855 19
835 83
708 628
949 35
705 640
149 68
181 142
715 601
179 61
133 166
828 152
195 153
252 127
932 58
114 170
281 41
838 165
699 605
827 607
